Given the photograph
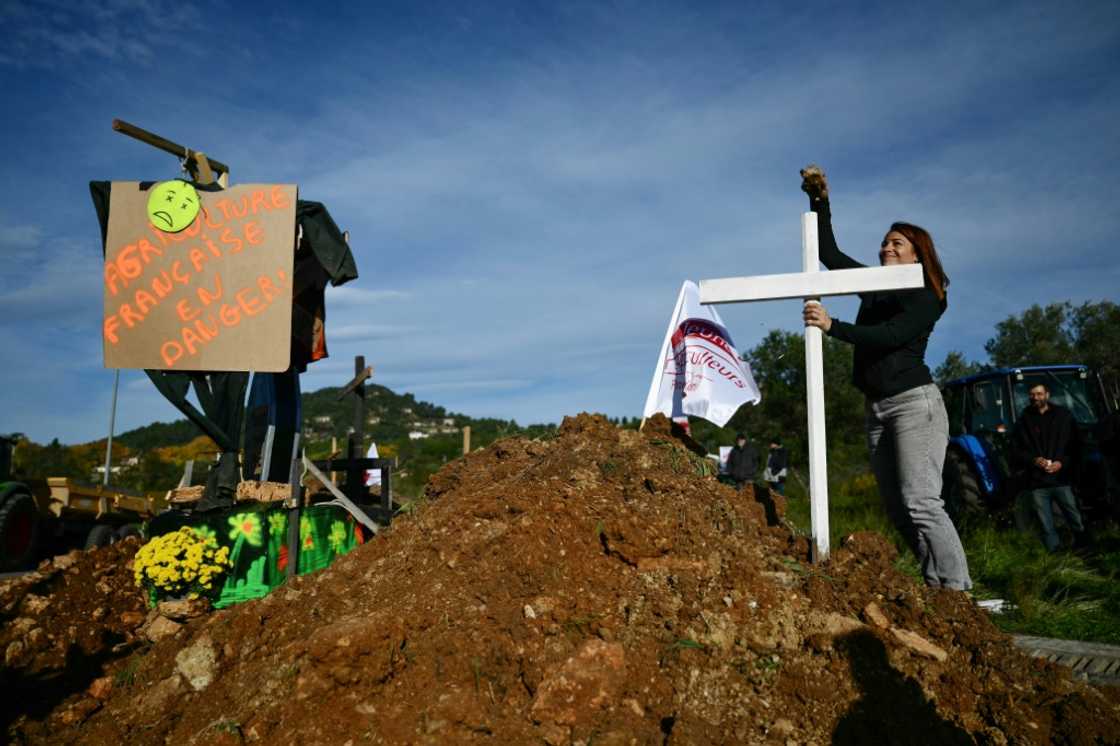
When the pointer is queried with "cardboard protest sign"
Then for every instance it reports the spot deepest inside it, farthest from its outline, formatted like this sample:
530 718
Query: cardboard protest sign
215 296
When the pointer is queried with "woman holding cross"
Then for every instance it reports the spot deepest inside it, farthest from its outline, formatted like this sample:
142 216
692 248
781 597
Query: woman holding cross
907 428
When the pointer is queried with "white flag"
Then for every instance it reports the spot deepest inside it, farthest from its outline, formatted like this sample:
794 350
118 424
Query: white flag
699 371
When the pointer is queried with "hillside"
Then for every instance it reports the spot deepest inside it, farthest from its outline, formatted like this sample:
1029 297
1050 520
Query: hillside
421 435
389 417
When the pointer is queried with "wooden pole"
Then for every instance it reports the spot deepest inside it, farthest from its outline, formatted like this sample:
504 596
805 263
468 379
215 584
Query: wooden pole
466 439
174 148
355 477
334 451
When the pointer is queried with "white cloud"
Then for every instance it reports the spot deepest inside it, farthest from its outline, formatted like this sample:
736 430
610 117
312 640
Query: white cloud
56 35
350 296
17 238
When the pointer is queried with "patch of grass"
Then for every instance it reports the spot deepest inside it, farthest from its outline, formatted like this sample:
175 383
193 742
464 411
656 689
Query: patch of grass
412 506
853 505
677 462
1052 595
227 726
221 725
476 669
800 569
768 664
580 625
687 643
126 676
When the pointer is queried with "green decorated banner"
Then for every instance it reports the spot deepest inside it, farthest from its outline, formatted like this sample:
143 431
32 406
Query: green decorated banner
257 537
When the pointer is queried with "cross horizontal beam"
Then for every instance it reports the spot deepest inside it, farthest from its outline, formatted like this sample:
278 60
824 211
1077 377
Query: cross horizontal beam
810 284
357 381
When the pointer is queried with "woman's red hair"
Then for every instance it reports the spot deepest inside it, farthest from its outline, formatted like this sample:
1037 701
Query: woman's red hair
936 279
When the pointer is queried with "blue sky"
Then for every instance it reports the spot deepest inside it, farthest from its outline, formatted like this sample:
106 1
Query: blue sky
527 184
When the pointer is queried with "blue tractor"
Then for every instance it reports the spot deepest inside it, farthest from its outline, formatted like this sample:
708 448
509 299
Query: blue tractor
980 468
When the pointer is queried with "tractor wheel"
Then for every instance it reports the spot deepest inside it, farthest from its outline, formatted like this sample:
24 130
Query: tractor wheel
19 530
100 536
960 488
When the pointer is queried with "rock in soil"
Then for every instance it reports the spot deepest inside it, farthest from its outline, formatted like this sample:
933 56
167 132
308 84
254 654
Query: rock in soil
181 610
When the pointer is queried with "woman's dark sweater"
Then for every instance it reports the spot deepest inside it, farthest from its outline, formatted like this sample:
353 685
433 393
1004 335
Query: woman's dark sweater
891 330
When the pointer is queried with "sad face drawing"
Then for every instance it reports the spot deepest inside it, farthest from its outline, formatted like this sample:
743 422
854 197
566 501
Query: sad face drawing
172 205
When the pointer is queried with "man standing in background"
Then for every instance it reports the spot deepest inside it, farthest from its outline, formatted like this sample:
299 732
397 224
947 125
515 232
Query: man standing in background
776 466
1043 440
742 464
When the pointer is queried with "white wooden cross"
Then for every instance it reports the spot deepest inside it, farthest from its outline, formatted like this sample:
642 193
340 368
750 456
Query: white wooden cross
811 285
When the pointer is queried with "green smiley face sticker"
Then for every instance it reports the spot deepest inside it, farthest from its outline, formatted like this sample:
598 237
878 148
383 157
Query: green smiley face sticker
172 205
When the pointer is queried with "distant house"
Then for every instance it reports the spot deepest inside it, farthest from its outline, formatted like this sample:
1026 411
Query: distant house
406 410
375 420
322 420
448 421
448 430
417 435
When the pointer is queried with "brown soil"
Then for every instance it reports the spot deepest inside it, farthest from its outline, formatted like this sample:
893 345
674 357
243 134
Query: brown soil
60 625
591 588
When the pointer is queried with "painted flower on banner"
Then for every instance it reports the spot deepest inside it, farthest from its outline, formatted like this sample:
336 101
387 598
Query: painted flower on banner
337 537
277 525
207 534
282 559
247 526
305 533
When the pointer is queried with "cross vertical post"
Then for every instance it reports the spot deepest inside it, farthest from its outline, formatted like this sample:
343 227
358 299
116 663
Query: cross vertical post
356 478
814 394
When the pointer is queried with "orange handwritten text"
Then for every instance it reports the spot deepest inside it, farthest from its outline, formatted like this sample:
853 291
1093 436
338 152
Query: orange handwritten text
202 327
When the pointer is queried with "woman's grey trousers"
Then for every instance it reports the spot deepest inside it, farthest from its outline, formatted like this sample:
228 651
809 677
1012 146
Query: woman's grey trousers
907 435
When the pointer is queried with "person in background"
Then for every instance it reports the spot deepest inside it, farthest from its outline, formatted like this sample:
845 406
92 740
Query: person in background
1043 438
776 466
907 426
742 464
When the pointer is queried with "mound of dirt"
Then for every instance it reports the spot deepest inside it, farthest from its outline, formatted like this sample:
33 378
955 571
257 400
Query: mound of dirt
598 587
